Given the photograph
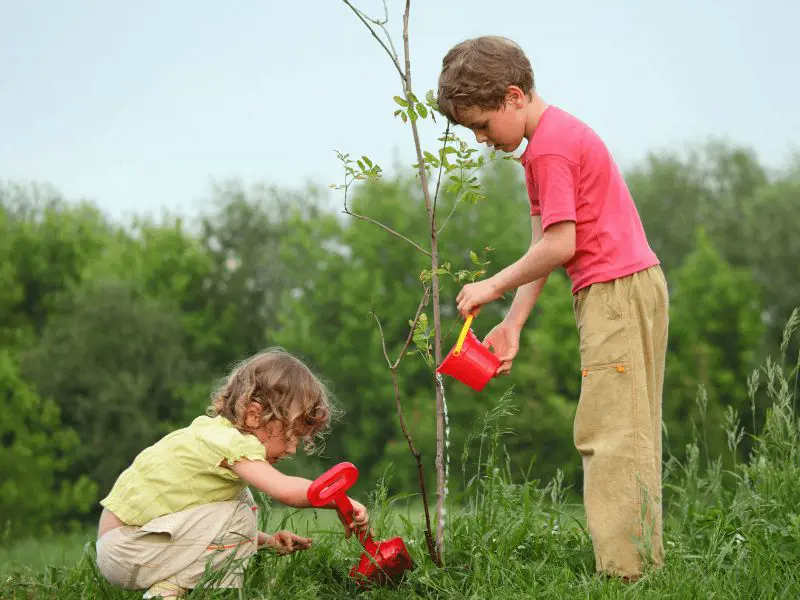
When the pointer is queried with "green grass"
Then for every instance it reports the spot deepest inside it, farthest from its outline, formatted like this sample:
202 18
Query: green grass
728 533
35 554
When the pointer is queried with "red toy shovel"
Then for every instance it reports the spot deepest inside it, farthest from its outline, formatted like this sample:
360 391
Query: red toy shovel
385 561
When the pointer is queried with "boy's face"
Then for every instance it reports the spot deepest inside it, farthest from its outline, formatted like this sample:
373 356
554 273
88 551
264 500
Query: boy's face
502 128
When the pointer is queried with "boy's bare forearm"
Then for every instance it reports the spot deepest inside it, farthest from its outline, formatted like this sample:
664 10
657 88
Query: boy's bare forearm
537 263
556 247
524 301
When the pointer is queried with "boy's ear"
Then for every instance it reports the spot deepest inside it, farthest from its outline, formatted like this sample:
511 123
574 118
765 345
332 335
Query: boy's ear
252 415
515 96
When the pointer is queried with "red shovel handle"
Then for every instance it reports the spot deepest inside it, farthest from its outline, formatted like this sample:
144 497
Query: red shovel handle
332 486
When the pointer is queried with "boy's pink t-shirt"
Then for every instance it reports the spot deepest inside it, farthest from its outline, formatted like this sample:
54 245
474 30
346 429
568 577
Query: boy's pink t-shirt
571 176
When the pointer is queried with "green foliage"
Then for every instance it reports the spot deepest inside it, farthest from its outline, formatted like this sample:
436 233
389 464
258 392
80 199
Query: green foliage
125 327
114 363
749 215
51 242
715 330
35 453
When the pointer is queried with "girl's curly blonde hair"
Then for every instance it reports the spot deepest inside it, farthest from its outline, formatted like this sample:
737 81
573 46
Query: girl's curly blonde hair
287 390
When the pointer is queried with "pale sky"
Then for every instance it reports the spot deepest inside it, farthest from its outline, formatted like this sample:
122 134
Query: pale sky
142 105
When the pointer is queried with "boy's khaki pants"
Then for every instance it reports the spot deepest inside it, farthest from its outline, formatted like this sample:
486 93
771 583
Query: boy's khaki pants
180 547
623 343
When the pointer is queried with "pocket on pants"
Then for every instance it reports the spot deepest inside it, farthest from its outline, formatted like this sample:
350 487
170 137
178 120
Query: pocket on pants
603 407
602 326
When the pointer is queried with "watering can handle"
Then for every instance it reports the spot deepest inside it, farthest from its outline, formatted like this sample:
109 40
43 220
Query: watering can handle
332 486
463 335
345 508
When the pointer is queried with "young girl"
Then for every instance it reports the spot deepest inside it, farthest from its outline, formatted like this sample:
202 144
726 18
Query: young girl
183 506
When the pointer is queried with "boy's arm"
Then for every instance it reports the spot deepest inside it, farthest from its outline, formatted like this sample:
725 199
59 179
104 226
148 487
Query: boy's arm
557 198
526 295
555 248
557 183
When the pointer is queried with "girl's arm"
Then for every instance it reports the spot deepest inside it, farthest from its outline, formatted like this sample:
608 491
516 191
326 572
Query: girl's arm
292 491
284 488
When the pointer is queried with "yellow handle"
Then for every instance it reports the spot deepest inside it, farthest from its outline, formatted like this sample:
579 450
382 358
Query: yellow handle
462 336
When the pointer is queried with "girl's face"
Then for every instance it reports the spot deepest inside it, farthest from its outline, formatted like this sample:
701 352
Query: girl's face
272 435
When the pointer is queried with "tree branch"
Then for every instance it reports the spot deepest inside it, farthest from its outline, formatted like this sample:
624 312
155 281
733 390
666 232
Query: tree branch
389 229
459 197
347 211
439 177
420 308
434 554
363 19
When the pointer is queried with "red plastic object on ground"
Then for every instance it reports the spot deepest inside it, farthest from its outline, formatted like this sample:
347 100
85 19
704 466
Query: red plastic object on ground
385 561
470 361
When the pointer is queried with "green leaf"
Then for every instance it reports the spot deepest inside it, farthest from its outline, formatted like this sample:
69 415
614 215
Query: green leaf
413 98
423 112
404 117
401 102
431 159
474 258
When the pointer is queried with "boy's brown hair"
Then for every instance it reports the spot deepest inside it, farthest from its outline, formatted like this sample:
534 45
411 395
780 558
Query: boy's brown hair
287 390
478 72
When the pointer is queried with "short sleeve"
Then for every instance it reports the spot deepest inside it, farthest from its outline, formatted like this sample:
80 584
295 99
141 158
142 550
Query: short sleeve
533 192
554 179
223 441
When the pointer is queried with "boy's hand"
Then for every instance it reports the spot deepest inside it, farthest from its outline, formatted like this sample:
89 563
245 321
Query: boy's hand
285 542
360 519
474 295
504 339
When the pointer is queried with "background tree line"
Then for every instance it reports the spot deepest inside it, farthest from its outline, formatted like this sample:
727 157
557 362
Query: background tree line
113 334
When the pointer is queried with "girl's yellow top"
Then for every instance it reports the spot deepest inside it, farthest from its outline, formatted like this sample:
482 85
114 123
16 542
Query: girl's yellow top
182 471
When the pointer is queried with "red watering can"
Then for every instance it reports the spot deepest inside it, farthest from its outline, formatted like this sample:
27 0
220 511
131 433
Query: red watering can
384 561
470 361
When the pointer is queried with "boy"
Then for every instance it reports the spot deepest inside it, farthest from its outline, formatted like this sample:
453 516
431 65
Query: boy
583 218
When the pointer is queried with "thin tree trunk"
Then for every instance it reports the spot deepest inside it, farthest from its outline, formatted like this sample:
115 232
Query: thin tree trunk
437 340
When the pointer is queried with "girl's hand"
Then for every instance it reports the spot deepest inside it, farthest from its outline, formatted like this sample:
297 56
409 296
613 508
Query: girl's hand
360 520
285 542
